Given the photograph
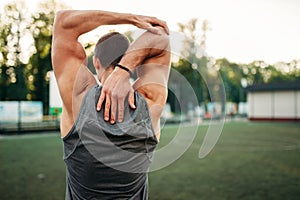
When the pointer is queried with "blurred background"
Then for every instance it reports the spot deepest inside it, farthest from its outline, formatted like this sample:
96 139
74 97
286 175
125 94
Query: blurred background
251 49
242 43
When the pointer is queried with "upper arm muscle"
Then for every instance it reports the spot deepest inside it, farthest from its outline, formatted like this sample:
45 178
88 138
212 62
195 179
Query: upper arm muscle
67 57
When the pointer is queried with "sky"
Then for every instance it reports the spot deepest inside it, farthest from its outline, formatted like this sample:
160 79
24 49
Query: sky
240 30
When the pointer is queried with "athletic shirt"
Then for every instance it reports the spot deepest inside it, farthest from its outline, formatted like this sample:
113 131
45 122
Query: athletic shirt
105 161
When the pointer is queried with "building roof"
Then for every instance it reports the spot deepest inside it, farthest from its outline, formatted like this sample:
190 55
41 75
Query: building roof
279 86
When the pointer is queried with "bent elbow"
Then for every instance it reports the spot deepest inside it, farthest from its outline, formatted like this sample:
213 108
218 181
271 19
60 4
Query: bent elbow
61 19
162 41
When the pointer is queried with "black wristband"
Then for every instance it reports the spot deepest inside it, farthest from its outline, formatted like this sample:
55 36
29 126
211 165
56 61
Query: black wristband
124 68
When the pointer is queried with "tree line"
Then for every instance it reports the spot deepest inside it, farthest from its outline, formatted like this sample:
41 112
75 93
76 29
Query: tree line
25 60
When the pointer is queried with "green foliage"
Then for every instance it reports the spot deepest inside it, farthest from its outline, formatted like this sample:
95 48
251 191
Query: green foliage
193 65
40 62
12 31
202 71
26 70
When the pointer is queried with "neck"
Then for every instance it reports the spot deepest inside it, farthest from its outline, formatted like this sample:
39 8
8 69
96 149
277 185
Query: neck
105 74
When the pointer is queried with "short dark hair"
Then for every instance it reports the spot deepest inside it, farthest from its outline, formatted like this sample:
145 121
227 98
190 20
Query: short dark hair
110 48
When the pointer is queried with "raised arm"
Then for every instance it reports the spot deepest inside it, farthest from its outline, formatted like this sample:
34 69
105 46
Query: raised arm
70 24
69 57
150 54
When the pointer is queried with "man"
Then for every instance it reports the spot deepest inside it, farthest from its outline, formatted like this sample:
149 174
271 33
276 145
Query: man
107 145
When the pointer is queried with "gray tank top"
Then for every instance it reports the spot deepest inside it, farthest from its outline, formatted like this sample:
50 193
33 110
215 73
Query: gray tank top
105 161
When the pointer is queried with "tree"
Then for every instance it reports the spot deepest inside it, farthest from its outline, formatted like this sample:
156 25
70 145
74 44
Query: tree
25 58
13 31
39 66
192 63
232 75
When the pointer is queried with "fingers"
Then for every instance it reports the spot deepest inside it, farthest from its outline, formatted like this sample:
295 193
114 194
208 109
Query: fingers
154 30
131 99
117 104
107 108
112 104
100 101
161 23
113 109
120 109
121 105
113 94
152 23
166 28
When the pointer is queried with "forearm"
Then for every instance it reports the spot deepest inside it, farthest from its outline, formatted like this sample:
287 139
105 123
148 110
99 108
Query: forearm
117 85
147 46
84 21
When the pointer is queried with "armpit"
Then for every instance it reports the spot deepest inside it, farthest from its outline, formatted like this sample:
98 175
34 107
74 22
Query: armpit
154 94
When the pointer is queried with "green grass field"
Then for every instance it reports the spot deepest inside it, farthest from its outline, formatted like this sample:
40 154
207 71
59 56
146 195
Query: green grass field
250 161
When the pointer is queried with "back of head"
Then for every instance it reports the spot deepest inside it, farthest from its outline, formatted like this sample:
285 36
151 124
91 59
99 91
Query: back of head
110 48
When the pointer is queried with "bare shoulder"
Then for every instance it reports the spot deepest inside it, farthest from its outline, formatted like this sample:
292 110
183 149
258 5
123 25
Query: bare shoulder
68 55
152 83
68 61
155 92
67 51
72 94
84 81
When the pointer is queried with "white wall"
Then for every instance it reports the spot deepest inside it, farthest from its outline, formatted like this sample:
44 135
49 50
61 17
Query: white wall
30 111
284 104
55 99
260 104
274 105
298 104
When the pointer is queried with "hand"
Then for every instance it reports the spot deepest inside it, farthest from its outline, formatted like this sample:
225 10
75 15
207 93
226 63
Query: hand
151 24
114 91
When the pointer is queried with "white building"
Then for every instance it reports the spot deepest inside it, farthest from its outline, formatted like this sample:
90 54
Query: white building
275 101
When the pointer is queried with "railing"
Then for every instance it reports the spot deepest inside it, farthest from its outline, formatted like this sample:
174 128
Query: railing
49 123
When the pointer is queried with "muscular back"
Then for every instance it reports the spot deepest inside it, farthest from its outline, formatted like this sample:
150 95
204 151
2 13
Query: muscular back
74 79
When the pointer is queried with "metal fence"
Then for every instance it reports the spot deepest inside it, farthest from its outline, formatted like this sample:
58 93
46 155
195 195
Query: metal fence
49 123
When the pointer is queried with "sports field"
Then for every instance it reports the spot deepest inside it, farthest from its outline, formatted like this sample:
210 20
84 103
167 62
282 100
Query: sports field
250 161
